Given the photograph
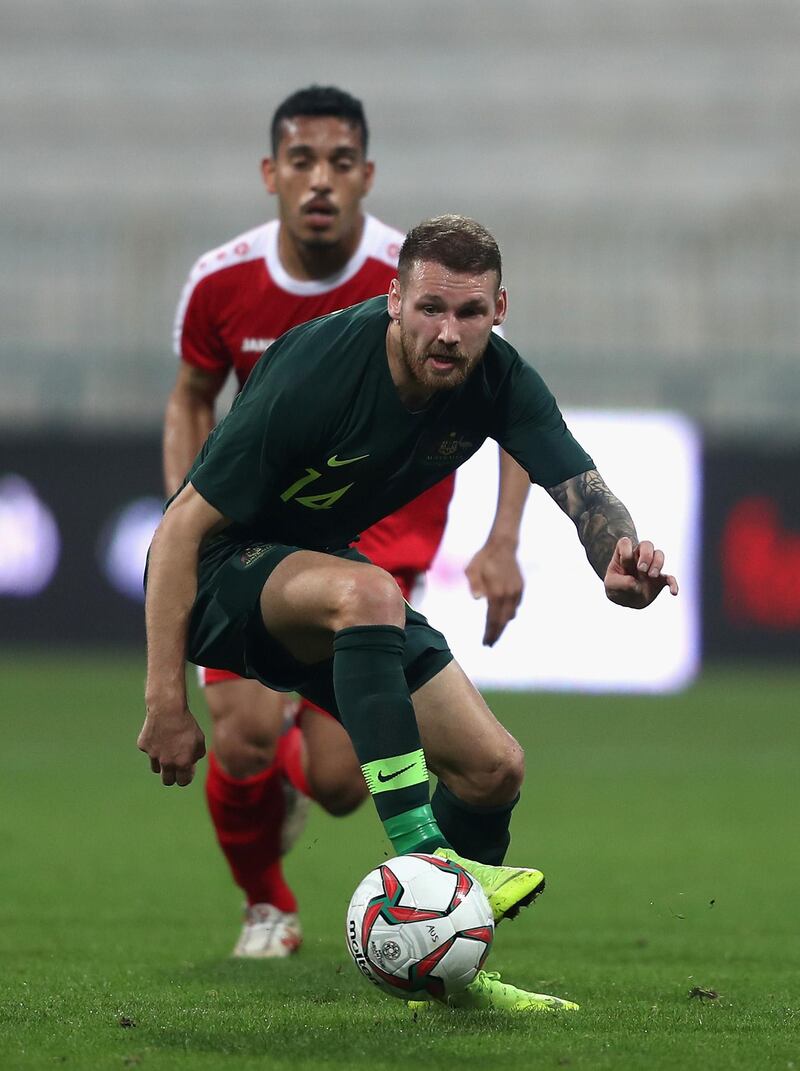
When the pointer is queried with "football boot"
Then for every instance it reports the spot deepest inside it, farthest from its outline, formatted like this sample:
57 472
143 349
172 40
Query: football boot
268 933
486 991
508 888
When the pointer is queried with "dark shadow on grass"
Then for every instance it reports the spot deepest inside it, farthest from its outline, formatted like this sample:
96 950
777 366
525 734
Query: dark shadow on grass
352 1029
352 1042
302 1009
297 976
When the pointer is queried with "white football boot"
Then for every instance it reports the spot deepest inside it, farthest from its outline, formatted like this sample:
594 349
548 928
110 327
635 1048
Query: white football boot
268 933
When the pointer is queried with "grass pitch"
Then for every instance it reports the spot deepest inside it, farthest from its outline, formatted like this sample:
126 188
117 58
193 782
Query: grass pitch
667 828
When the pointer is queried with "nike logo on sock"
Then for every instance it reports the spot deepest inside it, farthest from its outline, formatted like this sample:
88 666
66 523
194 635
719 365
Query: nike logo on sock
391 776
335 463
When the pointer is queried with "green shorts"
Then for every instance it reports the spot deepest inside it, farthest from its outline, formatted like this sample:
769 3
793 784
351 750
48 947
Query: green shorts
226 630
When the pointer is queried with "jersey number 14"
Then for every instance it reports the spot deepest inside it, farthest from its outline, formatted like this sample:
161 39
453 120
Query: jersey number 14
321 501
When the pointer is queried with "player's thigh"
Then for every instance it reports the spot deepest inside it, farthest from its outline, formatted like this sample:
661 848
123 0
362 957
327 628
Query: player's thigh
333 772
245 712
465 745
310 596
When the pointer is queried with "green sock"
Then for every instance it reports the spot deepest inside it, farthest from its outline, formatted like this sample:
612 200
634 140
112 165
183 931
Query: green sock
376 710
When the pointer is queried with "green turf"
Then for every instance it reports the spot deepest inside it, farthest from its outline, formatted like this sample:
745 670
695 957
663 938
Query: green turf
668 830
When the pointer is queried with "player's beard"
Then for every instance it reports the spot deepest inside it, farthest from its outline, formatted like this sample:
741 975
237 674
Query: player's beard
417 363
315 243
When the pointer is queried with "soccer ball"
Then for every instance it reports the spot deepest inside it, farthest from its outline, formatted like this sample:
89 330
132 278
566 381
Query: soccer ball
419 927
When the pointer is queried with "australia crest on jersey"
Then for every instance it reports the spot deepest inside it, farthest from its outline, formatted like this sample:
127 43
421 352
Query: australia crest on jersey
453 447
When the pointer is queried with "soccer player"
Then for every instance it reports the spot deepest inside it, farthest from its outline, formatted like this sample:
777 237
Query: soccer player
323 253
251 568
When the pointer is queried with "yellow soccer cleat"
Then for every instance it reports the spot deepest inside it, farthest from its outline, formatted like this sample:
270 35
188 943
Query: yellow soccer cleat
486 991
507 888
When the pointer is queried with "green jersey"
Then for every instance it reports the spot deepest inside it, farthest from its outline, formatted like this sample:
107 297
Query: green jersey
318 446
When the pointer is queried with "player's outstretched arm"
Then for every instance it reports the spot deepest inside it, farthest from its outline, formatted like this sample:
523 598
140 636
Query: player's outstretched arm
493 572
631 571
170 735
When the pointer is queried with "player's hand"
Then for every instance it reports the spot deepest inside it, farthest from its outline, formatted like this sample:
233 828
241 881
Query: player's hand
494 574
634 576
174 742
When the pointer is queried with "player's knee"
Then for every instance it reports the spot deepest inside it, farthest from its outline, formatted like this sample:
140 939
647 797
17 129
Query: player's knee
243 748
242 755
336 796
246 720
497 779
368 596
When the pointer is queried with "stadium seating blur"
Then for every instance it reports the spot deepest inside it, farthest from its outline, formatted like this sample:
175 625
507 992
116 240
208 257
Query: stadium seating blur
638 162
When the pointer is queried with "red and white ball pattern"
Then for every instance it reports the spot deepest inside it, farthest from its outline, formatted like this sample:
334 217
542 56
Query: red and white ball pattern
419 927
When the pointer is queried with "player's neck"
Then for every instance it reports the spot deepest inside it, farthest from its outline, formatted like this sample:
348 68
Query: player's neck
305 263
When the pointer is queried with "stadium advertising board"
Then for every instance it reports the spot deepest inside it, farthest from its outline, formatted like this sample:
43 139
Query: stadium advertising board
77 514
76 517
566 634
751 590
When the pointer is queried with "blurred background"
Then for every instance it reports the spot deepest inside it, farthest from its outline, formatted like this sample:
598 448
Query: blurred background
639 163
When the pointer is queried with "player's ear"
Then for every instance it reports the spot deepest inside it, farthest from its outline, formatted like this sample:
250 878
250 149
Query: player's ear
268 173
500 306
394 299
369 176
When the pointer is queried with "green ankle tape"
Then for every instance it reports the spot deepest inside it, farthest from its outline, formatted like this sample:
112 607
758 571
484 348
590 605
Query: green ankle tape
413 830
398 771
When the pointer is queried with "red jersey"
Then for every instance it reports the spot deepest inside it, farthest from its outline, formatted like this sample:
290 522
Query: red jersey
239 299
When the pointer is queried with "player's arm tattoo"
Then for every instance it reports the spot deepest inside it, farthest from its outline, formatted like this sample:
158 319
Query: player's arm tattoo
599 516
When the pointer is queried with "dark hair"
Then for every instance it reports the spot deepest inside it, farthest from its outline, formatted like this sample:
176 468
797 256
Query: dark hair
320 101
456 242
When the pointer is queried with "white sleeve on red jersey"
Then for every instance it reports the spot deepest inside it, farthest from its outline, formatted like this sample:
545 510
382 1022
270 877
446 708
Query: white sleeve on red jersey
194 335
382 242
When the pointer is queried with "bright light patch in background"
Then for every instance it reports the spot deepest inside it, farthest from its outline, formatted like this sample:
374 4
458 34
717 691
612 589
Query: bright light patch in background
29 541
567 635
124 543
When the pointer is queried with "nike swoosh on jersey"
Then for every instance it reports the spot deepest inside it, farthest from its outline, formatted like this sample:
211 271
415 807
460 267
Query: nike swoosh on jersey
391 776
334 461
